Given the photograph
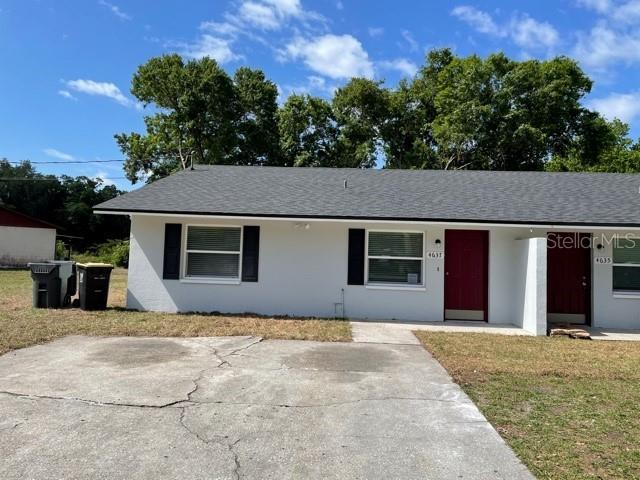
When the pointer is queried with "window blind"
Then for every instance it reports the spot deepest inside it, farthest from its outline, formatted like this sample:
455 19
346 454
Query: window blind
213 252
395 258
395 244
221 239
626 265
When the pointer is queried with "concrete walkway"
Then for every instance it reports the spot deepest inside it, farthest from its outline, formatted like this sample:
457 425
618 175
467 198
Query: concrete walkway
400 333
614 335
239 407
370 332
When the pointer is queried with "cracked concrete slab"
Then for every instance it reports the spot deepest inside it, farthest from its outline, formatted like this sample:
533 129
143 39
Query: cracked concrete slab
239 407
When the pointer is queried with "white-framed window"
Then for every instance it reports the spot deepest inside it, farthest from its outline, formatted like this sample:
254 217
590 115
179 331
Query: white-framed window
213 252
395 258
626 265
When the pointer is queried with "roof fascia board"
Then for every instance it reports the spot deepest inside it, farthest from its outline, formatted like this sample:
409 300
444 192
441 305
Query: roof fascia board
381 221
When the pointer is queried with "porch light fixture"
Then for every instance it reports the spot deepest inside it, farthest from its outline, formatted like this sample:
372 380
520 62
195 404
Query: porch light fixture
438 241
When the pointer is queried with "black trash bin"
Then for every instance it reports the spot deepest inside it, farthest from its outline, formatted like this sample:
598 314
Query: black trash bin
46 285
93 283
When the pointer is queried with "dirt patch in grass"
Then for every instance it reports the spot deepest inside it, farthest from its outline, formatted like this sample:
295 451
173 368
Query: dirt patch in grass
22 326
569 408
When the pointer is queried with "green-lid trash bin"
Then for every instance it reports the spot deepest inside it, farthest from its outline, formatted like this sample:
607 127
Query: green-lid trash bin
46 285
93 285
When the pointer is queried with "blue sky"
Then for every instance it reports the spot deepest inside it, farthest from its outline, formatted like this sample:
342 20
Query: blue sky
66 65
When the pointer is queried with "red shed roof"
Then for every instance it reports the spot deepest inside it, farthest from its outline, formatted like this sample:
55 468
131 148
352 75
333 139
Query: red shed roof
11 218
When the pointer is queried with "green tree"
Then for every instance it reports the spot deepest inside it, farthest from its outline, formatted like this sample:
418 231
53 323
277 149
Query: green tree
308 132
499 114
603 147
492 113
406 134
23 189
196 113
360 108
257 128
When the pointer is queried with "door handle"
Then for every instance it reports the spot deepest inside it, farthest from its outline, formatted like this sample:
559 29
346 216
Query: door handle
584 284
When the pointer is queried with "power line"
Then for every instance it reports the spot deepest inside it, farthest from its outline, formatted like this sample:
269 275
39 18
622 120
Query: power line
62 162
54 179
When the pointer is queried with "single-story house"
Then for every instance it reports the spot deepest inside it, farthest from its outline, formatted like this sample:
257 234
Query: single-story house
523 248
24 239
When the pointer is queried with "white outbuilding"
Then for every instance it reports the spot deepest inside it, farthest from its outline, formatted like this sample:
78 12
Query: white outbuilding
24 239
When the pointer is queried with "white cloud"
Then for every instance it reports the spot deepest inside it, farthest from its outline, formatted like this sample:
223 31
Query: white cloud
52 152
529 33
628 12
603 46
408 37
103 89
479 20
286 7
218 37
66 94
402 65
523 30
220 28
600 6
625 13
259 15
209 46
625 106
335 56
313 85
104 176
269 14
115 10
376 31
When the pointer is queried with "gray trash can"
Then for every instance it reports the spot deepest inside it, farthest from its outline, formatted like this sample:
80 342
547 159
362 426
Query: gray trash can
67 274
46 285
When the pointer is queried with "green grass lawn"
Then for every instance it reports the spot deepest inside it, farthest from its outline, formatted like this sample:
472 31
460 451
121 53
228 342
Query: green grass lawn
569 408
22 326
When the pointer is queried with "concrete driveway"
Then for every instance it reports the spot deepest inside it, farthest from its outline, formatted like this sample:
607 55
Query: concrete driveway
239 407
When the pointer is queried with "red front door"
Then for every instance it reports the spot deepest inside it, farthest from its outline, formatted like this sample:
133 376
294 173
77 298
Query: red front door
568 277
466 266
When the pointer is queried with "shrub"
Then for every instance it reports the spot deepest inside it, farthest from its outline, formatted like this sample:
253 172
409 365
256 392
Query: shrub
61 250
115 252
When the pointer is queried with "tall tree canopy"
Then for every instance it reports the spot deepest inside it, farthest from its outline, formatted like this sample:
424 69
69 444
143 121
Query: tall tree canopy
489 113
308 132
200 114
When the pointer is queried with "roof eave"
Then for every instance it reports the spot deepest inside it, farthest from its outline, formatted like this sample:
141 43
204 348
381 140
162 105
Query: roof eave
325 218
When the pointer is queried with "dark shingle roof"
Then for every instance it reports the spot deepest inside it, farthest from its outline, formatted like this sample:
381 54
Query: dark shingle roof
429 195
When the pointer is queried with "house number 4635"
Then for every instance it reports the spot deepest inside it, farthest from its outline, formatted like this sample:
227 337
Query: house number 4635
603 260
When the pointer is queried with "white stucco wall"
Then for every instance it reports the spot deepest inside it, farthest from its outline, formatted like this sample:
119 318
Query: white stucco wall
21 245
304 272
610 310
530 300
301 272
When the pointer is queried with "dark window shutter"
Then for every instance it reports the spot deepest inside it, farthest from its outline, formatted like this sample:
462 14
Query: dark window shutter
172 239
250 253
356 257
